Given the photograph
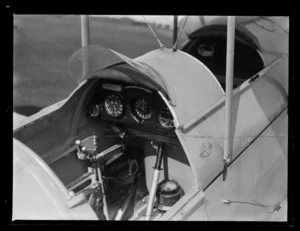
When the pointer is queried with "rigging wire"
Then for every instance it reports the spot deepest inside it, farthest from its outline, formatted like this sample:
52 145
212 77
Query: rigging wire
159 42
255 203
181 29
31 43
264 28
204 203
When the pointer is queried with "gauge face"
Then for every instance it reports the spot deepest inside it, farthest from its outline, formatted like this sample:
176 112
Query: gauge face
94 110
165 118
113 105
142 109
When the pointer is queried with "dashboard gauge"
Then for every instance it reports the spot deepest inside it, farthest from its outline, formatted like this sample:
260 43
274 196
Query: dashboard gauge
165 118
113 105
94 110
142 109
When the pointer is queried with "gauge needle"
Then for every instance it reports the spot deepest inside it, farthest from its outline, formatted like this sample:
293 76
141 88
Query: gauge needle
115 109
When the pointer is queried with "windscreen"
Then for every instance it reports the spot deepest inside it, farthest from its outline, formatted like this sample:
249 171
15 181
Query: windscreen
92 58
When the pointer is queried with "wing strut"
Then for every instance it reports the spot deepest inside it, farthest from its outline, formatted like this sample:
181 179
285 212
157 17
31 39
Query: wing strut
175 29
229 89
85 39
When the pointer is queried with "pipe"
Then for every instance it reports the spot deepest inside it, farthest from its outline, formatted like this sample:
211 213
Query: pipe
229 88
85 40
154 182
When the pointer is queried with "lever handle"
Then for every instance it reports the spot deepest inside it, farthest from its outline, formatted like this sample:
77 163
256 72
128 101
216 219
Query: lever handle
118 131
81 150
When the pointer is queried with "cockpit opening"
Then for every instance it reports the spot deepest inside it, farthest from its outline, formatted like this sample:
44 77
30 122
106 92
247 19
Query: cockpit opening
208 44
115 131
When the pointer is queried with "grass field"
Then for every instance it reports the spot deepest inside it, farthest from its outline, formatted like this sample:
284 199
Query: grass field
44 43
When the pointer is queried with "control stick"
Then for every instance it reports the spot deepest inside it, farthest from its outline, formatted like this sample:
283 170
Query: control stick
89 153
155 179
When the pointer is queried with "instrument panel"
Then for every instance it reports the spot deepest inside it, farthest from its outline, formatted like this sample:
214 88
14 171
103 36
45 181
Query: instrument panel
130 105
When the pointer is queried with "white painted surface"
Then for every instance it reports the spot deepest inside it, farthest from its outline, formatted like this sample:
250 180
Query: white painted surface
260 174
17 117
38 194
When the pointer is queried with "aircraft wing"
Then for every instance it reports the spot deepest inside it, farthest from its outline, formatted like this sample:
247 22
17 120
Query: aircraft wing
195 22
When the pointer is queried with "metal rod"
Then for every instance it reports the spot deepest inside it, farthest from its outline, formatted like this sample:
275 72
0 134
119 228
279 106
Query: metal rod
84 178
159 42
85 40
202 20
175 29
154 183
85 30
229 88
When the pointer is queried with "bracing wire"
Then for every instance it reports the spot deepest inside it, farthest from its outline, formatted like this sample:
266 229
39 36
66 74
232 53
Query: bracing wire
31 43
159 42
181 29
255 203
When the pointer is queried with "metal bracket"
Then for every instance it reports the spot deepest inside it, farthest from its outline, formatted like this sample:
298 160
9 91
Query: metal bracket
225 170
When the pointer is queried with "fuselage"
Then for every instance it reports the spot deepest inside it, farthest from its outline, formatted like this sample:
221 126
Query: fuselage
174 98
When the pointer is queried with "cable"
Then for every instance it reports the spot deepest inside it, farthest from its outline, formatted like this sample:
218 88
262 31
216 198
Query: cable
31 43
159 42
276 207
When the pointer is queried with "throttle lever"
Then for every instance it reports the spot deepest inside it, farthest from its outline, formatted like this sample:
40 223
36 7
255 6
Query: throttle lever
80 150
86 148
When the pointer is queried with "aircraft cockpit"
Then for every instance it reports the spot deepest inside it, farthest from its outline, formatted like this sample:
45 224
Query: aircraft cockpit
144 138
116 127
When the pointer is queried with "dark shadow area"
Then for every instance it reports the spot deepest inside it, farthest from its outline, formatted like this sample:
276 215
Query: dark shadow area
26 110
208 44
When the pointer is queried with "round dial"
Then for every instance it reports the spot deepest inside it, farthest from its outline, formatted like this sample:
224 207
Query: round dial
142 109
165 118
113 105
94 110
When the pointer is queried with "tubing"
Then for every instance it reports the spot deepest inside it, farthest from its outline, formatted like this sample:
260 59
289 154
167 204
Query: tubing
229 87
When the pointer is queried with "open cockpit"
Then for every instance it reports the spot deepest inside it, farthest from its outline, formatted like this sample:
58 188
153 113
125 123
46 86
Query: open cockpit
116 130
208 44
